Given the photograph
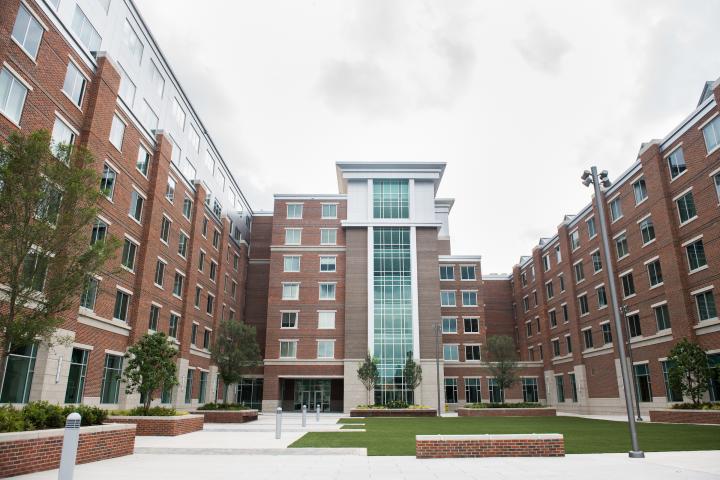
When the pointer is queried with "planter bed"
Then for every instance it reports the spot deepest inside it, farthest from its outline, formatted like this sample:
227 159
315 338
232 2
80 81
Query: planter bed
513 445
506 412
227 416
162 426
39 450
393 412
677 415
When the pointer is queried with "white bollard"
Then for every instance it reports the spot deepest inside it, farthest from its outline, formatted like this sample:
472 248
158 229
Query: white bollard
278 423
317 413
304 415
70 446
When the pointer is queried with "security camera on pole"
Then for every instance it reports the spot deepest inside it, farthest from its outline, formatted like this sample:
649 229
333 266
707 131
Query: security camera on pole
592 177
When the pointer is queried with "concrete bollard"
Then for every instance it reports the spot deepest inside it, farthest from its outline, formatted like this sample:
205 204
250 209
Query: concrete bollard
304 415
278 423
70 446
317 413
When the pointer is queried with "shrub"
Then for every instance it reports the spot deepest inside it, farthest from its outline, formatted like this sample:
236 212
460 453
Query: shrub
396 404
40 415
89 415
701 406
11 420
224 406
151 412
504 405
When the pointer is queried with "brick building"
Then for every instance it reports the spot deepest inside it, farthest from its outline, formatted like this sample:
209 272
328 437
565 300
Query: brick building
327 278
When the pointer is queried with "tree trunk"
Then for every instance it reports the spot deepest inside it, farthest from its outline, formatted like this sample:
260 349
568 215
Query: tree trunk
225 391
148 401
4 356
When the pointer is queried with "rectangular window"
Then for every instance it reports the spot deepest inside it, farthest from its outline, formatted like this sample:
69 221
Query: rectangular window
99 231
528 328
154 317
288 320
451 390
178 284
178 114
61 140
19 371
288 348
107 181
588 338
213 270
173 325
472 325
562 282
86 33
596 261
647 231
553 318
467 272
327 263
711 132
556 348
203 387
449 325
526 303
497 394
117 132
523 279
206 338
602 297
292 236
198 295
328 236
592 231
34 271
579 272
291 263
327 291
27 31
110 389
559 388
549 291
326 349
128 255
472 390
216 239
628 285
469 299
615 210
575 240
607 333
159 273
182 244
530 390
156 80
143 161
132 42
676 163
686 207
546 262
621 246
294 210
136 205
447 272
210 305
662 317
189 386
672 394
12 96
696 255
634 328
329 210
447 298
643 388
573 387
472 353
558 254
170 189
450 353
716 181
290 291
705 302
566 315
165 229
390 198
640 191
568 344
655 273
76 376
326 320
89 293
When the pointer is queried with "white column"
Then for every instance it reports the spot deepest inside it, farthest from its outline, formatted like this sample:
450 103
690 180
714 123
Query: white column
414 294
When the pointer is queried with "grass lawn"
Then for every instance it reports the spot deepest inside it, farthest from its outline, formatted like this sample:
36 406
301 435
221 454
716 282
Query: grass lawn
396 436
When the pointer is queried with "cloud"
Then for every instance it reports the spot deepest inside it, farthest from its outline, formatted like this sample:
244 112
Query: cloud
543 48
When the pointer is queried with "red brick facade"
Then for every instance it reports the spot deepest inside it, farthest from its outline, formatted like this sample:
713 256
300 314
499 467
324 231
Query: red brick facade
228 416
708 417
162 426
463 446
506 412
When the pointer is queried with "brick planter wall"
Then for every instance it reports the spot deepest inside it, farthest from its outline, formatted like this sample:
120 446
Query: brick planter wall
393 412
670 415
162 426
27 452
506 412
228 416
461 446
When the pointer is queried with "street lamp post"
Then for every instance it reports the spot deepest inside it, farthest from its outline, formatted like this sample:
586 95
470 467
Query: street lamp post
624 309
438 329
592 177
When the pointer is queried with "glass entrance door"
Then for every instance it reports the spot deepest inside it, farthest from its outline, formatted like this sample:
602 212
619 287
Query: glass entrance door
312 393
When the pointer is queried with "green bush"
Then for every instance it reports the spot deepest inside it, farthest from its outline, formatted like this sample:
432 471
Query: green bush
224 406
396 404
11 420
41 415
151 412
692 406
504 405
89 415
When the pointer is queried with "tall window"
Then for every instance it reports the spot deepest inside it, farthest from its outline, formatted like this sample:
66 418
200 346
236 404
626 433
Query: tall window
110 389
390 199
165 229
12 96
76 376
19 371
132 42
173 325
128 255
117 132
450 353
596 261
640 191
136 205
107 181
203 386
705 302
451 390
292 236
676 163
615 209
27 31
159 273
647 231
588 338
634 328
62 139
686 207
291 263
325 349
294 210
122 302
530 390
654 273
99 231
711 132
89 293
86 33
182 244
696 255
472 390
326 320
153 317
575 240
579 272
621 246
672 393
127 87
602 297
662 317
178 284
607 333
143 161
560 388
628 285
74 85
189 386
643 388
170 189
497 394
187 208
288 348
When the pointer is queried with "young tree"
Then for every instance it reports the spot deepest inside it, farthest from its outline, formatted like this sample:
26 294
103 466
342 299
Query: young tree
234 351
369 374
689 370
48 200
502 360
151 366
412 373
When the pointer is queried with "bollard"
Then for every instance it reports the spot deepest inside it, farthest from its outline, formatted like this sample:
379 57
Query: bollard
304 415
70 446
317 412
278 423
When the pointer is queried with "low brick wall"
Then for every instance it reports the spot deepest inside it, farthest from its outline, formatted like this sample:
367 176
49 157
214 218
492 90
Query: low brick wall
671 415
162 426
506 412
462 446
227 416
393 412
36 451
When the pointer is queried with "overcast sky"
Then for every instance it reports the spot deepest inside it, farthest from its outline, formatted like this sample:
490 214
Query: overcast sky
517 97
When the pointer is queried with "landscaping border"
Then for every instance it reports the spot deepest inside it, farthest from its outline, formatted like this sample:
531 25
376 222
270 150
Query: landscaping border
503 445
39 450
227 416
162 426
393 412
678 415
507 412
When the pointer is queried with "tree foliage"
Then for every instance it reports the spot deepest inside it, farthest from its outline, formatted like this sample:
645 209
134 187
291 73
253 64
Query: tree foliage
234 351
412 373
151 366
502 359
48 200
689 370
369 374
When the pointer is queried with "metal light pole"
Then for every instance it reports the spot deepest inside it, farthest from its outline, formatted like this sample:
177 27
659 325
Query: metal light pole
438 329
592 177
624 309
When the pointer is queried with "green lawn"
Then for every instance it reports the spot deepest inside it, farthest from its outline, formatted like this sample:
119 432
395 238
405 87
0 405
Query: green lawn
396 436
